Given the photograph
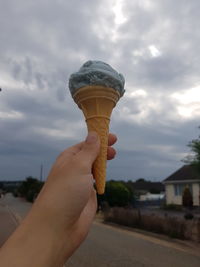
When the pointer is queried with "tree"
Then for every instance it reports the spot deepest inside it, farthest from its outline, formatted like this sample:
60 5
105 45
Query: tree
117 194
194 158
30 188
187 200
140 180
154 190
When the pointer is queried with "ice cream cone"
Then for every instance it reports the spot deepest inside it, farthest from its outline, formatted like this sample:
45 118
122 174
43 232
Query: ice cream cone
97 103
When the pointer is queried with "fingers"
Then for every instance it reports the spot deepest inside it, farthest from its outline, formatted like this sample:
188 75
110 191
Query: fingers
89 150
112 139
111 152
73 150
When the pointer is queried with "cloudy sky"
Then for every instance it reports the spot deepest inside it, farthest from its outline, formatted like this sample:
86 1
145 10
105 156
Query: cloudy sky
155 44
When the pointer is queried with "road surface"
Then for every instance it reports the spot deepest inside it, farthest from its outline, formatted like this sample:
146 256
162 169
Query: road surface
108 246
18 206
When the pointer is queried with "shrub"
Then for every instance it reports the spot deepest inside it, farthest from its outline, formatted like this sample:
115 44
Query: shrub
188 216
172 207
30 188
122 216
187 200
15 193
175 227
153 223
117 194
170 226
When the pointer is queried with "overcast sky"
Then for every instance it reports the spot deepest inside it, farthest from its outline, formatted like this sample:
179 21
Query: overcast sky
154 44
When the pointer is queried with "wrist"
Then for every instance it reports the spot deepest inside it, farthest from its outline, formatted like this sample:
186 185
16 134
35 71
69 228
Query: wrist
49 230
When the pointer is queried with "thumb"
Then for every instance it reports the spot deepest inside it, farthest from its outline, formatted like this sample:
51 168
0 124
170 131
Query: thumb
90 149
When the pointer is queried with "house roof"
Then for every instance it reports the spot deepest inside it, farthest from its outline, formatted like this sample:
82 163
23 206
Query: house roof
187 173
143 185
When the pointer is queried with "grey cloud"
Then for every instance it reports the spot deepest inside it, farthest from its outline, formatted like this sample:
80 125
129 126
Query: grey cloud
43 42
16 70
39 80
172 27
44 27
131 165
138 159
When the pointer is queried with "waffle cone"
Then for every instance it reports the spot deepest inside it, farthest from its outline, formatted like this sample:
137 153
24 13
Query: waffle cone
97 103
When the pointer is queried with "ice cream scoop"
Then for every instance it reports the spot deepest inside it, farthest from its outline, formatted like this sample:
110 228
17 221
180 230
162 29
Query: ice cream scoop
96 73
96 88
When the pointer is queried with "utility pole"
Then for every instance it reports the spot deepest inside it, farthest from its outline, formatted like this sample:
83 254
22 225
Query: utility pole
41 172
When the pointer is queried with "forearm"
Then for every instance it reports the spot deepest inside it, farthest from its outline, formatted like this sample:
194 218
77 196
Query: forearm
62 214
35 243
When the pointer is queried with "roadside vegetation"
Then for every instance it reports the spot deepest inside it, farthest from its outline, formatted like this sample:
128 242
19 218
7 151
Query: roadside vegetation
170 226
119 205
29 189
171 207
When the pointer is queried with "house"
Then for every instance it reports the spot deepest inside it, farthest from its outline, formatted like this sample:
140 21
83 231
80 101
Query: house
186 176
151 197
142 186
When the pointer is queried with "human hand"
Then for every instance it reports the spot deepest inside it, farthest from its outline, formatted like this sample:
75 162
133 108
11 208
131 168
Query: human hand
61 216
68 199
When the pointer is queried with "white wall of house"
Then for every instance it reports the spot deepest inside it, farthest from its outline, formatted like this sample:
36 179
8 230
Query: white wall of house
174 196
170 195
196 194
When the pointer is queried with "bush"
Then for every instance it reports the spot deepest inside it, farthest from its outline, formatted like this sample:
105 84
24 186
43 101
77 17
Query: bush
117 194
173 227
188 216
15 193
172 207
30 196
30 188
187 200
122 216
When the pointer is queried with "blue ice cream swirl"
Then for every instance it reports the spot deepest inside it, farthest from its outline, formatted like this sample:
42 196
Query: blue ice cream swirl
96 73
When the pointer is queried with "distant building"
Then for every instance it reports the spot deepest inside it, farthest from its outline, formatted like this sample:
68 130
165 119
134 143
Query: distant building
151 197
9 185
141 187
186 176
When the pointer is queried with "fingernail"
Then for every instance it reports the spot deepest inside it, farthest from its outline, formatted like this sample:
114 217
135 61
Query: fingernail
91 138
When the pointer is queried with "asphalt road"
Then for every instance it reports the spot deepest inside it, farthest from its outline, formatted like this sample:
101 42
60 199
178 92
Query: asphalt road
18 206
108 246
